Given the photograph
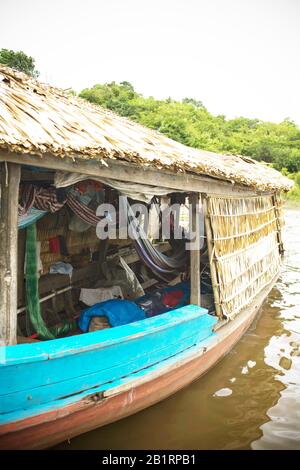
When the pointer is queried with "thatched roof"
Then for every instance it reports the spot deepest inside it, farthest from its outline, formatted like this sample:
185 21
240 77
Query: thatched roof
38 119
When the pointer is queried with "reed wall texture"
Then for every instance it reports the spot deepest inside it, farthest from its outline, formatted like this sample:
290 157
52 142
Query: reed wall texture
246 247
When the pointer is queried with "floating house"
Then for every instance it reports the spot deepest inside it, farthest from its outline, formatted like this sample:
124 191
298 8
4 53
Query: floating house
93 330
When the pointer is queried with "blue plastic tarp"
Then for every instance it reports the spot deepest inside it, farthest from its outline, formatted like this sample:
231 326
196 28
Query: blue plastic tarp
117 311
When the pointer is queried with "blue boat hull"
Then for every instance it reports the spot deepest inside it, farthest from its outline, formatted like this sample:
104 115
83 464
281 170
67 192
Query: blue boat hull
186 340
46 376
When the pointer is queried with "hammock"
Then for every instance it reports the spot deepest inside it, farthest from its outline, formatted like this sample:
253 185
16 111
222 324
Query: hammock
162 265
81 210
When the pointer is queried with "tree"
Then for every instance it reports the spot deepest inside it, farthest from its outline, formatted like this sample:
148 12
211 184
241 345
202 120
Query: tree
114 96
189 122
192 101
19 61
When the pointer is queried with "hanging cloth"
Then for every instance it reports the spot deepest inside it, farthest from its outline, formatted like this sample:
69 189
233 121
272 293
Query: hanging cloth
32 291
37 201
27 197
32 216
136 191
50 199
82 211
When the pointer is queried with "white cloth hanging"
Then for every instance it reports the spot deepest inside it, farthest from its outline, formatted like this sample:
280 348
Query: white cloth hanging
136 191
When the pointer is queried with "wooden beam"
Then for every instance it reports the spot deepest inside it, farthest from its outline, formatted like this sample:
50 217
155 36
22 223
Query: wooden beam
195 251
115 169
34 176
9 186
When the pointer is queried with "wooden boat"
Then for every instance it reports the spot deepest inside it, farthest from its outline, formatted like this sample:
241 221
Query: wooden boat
56 389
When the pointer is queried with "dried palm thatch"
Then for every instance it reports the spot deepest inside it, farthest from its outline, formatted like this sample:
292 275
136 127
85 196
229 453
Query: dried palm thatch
245 248
38 119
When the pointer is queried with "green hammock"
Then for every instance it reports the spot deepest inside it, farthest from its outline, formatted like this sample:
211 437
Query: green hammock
32 292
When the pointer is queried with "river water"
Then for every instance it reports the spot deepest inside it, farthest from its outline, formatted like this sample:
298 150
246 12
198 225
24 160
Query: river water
250 400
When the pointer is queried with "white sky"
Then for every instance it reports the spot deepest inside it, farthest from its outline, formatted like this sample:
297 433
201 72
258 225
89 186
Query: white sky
239 57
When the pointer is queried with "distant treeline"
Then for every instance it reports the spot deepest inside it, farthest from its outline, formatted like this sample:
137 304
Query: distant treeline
189 122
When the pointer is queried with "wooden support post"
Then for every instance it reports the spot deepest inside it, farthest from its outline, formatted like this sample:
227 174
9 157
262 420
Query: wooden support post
212 260
195 251
9 189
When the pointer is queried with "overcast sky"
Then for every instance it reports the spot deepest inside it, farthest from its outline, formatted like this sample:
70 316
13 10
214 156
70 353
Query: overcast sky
239 57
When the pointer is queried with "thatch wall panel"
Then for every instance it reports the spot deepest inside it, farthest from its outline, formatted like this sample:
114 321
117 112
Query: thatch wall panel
246 239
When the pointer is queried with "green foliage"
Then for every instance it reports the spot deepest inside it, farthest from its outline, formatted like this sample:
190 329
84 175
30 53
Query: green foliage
116 97
293 195
192 124
19 61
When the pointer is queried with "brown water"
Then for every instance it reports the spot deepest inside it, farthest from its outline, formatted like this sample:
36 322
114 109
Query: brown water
251 399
